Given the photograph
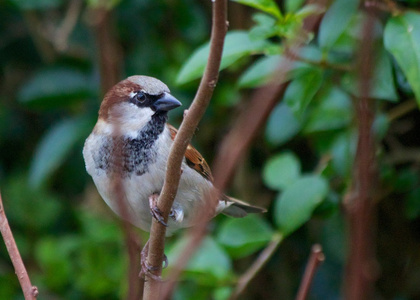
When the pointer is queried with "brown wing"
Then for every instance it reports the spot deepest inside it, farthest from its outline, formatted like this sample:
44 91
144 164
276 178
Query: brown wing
194 159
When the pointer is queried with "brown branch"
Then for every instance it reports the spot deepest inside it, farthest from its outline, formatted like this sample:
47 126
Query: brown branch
316 258
133 245
101 19
262 259
360 269
176 155
385 5
29 291
235 144
110 63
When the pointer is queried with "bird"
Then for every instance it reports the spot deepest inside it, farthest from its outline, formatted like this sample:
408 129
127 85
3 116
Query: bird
133 117
131 141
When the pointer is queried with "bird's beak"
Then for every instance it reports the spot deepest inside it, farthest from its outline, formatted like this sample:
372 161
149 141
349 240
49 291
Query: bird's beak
166 103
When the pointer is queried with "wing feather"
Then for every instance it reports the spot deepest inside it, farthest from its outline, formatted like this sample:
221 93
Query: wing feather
233 207
193 158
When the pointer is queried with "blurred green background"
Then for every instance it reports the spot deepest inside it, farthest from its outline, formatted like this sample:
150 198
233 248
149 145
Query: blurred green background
58 57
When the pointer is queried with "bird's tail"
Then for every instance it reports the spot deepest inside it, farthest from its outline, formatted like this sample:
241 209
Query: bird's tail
236 208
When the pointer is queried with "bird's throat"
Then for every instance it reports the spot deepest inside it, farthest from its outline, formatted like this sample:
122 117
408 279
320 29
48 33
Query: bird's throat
130 156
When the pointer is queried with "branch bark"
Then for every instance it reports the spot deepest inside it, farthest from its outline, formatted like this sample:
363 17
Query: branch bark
182 139
103 25
29 291
361 264
316 258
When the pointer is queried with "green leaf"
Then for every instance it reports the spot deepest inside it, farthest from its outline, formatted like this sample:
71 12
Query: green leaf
334 110
265 27
187 289
282 125
209 263
343 150
382 80
237 45
55 88
52 255
295 205
37 209
348 42
268 6
281 171
335 21
244 236
261 72
221 293
402 39
54 147
293 5
380 126
301 90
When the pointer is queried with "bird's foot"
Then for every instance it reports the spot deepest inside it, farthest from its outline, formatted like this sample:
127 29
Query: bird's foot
146 269
176 214
155 211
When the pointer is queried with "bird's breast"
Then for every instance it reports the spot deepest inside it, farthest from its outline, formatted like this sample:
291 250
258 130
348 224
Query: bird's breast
127 155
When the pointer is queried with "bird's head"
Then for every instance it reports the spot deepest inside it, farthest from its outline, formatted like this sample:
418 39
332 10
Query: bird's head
135 100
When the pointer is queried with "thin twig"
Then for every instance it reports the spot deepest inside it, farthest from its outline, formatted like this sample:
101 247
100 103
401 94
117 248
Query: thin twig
182 139
325 64
29 291
62 33
402 109
316 258
257 265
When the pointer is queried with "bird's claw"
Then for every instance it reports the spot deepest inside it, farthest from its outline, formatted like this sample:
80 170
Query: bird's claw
146 269
155 211
157 214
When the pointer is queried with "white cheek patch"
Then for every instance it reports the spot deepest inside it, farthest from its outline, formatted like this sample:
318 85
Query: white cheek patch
130 117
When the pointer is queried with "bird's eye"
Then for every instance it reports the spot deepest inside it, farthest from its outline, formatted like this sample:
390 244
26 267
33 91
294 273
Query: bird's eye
141 97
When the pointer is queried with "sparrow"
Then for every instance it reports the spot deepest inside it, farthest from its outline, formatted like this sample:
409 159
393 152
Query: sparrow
133 119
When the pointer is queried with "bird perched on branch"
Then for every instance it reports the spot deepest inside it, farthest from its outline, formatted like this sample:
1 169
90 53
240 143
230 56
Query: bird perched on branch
131 140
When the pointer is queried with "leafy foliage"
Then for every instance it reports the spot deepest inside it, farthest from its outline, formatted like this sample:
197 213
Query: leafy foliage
401 38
